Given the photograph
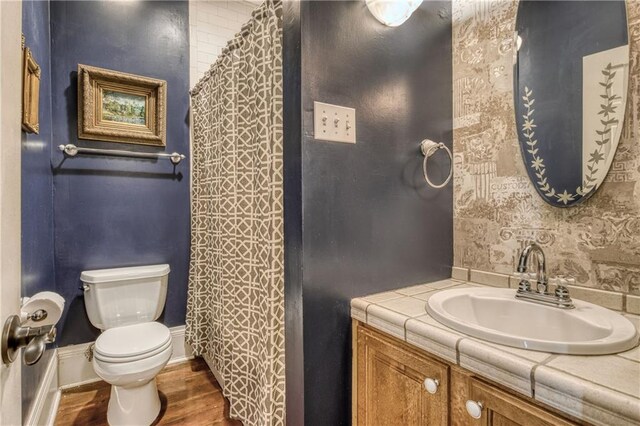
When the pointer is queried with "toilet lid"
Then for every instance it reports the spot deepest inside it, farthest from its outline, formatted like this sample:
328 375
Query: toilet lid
132 340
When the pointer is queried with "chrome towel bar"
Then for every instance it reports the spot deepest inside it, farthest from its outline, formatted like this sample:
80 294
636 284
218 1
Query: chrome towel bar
71 150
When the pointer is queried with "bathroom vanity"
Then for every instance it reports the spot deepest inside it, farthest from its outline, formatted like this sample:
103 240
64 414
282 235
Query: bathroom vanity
408 366
398 381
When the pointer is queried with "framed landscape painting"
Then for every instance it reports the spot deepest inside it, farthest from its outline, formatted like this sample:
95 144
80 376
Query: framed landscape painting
30 91
120 107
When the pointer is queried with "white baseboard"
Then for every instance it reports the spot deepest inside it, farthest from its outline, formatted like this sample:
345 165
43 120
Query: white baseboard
74 369
181 350
45 405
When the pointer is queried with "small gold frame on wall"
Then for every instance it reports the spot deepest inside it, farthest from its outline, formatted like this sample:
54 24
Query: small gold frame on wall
115 106
30 91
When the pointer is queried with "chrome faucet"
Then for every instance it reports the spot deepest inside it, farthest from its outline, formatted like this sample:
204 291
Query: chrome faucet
541 274
560 298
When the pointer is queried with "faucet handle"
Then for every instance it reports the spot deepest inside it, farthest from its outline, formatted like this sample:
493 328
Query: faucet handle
562 292
524 284
563 281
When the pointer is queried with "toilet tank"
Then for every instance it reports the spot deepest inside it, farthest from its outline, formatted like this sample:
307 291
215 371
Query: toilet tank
125 296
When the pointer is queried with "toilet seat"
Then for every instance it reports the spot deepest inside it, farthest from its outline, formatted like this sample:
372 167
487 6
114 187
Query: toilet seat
132 342
122 360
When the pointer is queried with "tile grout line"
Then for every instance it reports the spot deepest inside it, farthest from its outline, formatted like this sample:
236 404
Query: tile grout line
404 327
449 287
404 324
458 349
618 355
431 341
532 379
366 312
401 313
400 296
488 344
438 327
548 359
544 362
508 373
449 330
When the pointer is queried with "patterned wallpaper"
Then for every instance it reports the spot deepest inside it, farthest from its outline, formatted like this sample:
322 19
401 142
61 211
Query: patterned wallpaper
496 208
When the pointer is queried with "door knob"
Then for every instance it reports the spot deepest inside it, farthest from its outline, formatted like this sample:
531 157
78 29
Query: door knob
474 408
431 385
33 339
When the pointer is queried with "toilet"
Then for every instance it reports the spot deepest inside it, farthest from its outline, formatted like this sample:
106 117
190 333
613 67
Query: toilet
132 349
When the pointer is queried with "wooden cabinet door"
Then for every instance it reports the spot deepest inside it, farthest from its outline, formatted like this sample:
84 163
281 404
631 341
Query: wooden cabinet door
502 409
390 384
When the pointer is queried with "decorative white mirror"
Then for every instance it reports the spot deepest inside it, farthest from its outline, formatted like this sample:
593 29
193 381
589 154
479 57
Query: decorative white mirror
570 92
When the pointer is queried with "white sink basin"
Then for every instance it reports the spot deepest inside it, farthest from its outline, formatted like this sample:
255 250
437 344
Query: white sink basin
497 316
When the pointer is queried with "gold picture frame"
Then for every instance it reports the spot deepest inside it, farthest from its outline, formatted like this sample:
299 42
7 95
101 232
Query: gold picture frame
115 106
30 91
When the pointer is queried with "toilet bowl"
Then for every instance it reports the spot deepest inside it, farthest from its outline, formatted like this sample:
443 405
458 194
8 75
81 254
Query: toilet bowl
133 348
129 358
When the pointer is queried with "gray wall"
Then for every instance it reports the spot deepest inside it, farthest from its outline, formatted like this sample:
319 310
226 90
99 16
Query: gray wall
37 187
119 212
369 221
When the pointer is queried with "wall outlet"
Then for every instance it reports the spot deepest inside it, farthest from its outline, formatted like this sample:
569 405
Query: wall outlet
334 123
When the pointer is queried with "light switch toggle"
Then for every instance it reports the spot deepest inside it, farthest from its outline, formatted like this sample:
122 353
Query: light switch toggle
343 119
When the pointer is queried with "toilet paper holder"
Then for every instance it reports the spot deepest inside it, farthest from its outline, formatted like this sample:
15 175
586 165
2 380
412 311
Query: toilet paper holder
38 315
32 329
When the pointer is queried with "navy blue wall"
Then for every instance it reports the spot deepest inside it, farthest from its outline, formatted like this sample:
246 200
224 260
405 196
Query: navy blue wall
119 212
292 186
370 223
37 187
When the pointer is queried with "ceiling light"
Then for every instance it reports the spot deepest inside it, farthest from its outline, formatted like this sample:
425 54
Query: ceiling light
392 12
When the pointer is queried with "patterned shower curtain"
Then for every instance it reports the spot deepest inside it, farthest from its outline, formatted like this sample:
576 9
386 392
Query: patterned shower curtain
235 307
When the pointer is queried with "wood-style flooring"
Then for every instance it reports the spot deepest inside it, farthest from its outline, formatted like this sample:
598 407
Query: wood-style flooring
188 391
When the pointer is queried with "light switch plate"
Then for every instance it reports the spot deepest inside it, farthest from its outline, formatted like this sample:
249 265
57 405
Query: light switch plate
334 123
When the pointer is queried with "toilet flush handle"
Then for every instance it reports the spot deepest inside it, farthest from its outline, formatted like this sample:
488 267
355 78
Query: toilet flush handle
84 287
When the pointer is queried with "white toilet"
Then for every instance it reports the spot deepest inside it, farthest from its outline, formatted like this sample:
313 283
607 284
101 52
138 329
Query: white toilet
132 349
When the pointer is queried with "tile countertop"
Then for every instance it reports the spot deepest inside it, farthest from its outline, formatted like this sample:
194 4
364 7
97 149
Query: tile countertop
603 390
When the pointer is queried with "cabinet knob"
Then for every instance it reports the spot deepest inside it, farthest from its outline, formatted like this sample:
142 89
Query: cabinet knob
474 408
431 385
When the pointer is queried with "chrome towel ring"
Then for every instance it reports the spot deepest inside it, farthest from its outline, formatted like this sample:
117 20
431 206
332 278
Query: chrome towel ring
428 148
